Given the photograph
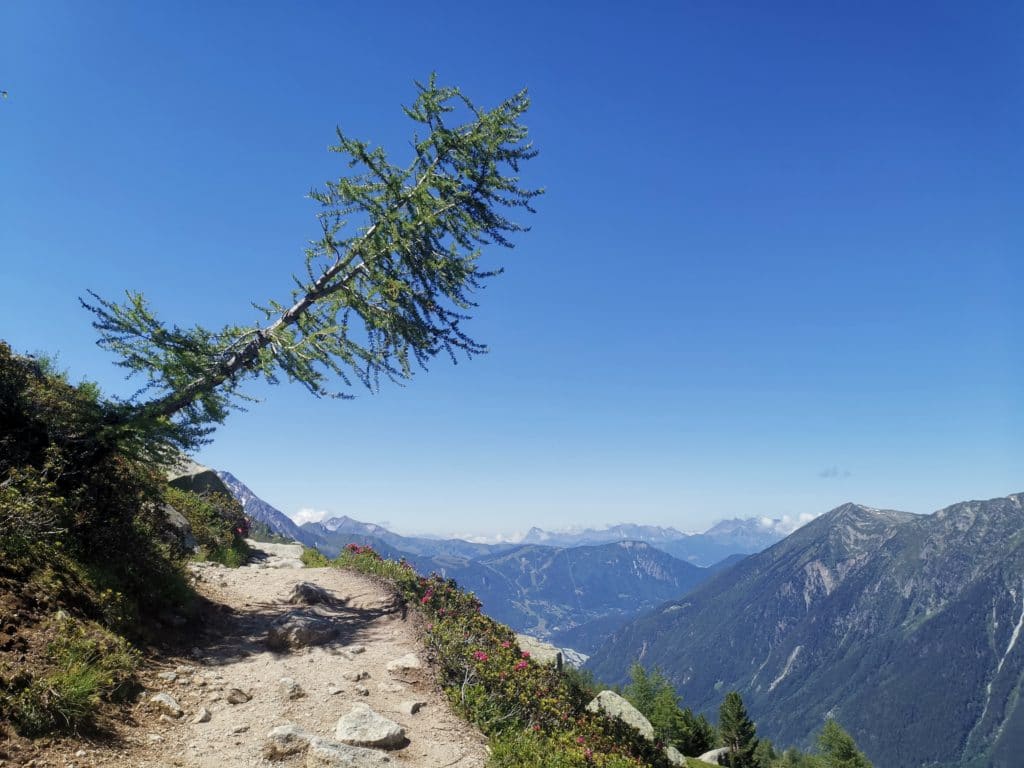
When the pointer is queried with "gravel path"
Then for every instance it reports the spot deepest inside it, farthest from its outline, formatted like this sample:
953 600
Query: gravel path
232 656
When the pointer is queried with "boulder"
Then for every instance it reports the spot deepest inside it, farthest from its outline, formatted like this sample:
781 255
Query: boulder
674 756
180 529
300 631
614 705
326 753
362 727
715 756
545 653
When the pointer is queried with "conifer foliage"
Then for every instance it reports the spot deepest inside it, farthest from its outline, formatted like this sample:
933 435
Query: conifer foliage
387 286
737 732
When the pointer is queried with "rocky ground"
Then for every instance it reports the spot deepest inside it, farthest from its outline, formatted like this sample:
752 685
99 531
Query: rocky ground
330 673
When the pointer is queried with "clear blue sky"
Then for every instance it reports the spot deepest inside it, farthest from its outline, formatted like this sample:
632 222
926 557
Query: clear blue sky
778 266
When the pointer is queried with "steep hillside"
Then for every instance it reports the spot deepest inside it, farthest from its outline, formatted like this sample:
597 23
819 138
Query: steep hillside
545 590
906 628
257 509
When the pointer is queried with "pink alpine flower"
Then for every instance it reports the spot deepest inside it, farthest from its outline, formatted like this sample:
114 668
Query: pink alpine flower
479 655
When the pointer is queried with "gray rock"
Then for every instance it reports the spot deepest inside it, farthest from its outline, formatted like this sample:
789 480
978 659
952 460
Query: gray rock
411 707
545 653
354 676
238 729
290 689
305 593
404 664
674 756
202 716
190 476
285 740
292 632
355 648
169 677
614 705
180 529
326 753
237 696
715 756
165 703
334 690
362 727
165 718
362 690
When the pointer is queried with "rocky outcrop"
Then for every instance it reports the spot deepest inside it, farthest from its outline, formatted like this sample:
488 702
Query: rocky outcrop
539 651
193 477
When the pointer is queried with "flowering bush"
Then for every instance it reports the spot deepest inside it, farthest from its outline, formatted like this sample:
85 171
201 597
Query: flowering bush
534 714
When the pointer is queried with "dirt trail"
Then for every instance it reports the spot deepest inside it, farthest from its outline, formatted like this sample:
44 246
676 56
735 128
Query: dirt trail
232 653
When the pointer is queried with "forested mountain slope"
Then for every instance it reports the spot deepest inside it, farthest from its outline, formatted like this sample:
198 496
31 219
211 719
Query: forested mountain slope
905 628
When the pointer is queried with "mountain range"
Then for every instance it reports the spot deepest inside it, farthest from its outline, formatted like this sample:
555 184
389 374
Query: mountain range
574 589
905 628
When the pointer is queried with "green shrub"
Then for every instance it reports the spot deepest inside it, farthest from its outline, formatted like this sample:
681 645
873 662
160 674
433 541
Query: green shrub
218 524
314 558
534 714
87 666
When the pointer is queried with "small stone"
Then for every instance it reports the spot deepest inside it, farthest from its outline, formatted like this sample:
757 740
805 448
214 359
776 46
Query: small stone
170 677
285 740
411 707
155 737
355 676
164 702
390 687
237 696
239 729
80 753
202 716
361 689
355 648
362 727
334 690
404 664
290 689
165 718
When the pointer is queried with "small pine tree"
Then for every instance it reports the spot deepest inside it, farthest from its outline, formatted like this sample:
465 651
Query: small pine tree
641 691
838 749
737 732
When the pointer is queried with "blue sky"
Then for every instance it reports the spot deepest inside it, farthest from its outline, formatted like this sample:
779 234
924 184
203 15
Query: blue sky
777 267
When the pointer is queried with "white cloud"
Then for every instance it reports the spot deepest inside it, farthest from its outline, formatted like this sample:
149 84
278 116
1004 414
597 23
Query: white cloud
309 515
789 523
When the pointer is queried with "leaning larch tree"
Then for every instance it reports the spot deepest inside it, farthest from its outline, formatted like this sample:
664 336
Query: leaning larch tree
387 287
